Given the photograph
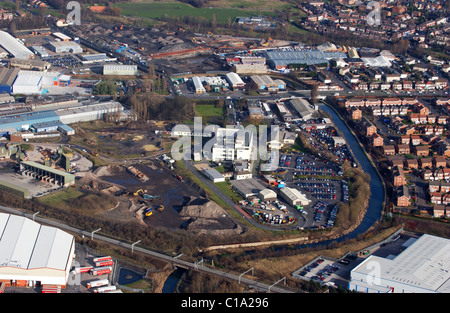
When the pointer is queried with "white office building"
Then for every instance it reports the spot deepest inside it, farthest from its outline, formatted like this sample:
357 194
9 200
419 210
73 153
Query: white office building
233 144
423 267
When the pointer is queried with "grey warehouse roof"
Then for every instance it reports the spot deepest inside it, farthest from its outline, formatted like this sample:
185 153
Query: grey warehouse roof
308 57
28 245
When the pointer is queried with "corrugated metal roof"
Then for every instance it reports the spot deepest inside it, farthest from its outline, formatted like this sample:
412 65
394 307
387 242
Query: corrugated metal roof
14 46
424 264
28 245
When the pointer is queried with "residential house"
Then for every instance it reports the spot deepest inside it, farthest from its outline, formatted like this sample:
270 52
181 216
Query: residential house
368 128
421 150
399 176
439 162
439 210
403 196
426 162
403 149
427 175
405 140
389 150
434 186
438 174
376 140
396 160
412 163
356 113
436 197
415 140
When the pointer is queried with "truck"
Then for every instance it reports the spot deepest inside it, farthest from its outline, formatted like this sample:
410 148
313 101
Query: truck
104 263
105 289
97 283
86 269
102 258
101 270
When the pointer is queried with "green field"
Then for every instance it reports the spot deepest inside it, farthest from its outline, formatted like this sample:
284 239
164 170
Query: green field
159 10
205 110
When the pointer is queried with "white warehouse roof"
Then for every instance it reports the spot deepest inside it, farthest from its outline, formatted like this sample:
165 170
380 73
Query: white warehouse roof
422 267
33 252
14 46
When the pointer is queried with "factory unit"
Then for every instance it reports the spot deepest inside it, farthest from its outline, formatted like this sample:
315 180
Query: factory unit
46 174
235 81
303 108
422 267
35 82
120 70
294 196
65 47
14 46
82 113
214 175
32 254
198 86
265 82
32 65
282 59
247 187
7 78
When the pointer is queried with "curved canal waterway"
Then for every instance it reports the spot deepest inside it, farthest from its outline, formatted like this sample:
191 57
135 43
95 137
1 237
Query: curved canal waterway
377 196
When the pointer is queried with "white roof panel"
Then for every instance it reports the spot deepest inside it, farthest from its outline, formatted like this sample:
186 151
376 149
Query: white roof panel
53 247
16 245
28 245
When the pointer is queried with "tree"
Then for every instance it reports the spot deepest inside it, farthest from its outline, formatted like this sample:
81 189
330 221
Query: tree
314 94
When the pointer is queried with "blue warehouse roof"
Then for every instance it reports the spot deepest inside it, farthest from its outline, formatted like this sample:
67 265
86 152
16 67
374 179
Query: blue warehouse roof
24 121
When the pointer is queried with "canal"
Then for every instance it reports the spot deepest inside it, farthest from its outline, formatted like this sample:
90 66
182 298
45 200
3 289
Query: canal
377 196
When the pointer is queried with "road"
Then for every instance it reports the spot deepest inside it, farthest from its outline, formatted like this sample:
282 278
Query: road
174 261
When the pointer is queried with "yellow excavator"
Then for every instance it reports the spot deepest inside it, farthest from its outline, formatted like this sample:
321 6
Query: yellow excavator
137 192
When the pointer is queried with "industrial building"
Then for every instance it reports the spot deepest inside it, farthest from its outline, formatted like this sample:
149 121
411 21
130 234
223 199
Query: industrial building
282 59
303 108
14 46
120 70
35 82
81 113
235 81
265 82
198 86
7 78
33 255
422 267
214 175
46 174
294 196
65 47
32 65
94 58
247 187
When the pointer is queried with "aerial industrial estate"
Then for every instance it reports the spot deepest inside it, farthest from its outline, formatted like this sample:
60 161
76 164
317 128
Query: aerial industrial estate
192 147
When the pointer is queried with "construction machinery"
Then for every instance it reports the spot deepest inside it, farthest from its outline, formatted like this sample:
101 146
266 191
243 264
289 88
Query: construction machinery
148 211
137 192
161 208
